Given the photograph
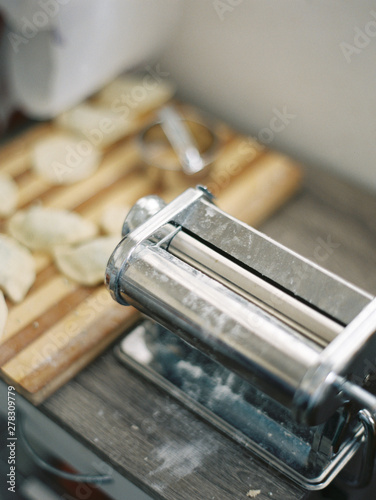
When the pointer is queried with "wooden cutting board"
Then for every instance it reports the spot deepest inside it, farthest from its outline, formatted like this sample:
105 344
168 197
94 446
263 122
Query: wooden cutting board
61 326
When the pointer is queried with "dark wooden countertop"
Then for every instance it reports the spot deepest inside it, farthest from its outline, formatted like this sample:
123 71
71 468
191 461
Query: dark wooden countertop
161 446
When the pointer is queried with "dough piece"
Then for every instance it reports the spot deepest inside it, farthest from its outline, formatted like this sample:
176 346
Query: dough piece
87 262
133 95
3 313
97 124
63 158
253 493
8 195
17 272
112 219
44 228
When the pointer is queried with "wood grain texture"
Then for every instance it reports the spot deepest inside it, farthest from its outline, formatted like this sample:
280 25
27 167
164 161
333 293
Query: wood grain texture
128 421
155 442
47 339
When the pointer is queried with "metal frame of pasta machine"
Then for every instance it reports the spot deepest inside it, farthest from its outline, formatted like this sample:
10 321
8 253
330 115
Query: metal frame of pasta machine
296 332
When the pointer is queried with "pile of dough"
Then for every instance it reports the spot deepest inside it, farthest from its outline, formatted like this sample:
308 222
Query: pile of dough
3 313
44 228
112 219
134 95
8 195
63 158
17 272
87 262
97 124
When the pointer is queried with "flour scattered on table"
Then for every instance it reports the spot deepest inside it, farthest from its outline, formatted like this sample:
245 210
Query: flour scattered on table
180 460
177 460
86 263
253 493
8 195
3 313
44 228
112 219
17 272
64 158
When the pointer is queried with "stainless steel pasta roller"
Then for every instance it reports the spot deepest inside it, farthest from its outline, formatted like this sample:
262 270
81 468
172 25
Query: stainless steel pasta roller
268 346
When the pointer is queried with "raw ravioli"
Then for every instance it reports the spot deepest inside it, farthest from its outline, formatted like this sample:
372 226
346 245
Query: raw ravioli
87 262
132 95
44 228
8 195
64 158
97 124
17 272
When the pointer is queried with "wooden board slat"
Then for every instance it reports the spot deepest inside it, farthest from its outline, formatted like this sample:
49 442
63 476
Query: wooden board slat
36 303
60 326
79 328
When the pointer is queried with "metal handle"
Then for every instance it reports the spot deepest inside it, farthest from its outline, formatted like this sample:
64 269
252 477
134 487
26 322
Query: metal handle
181 140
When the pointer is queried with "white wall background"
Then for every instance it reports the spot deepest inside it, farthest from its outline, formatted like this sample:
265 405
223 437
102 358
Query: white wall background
57 52
245 59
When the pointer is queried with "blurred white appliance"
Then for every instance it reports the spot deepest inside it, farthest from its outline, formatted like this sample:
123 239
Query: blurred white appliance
57 52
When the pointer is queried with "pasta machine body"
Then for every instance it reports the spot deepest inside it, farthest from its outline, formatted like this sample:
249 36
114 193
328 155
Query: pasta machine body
294 341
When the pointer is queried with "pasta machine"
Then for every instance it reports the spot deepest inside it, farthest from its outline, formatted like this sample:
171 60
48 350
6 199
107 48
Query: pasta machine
274 350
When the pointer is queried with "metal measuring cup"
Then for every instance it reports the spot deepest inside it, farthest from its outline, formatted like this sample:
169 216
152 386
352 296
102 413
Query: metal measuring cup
178 150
